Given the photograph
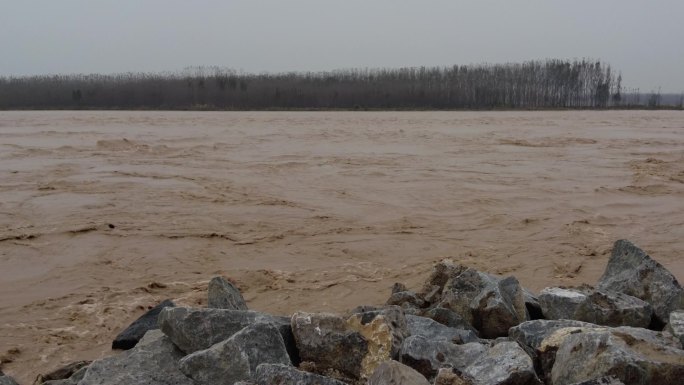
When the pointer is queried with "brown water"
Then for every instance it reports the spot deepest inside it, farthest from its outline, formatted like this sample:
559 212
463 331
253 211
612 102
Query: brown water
103 214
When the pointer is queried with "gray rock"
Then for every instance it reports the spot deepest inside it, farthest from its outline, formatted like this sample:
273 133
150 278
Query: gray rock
532 333
329 342
534 310
153 361
561 303
595 306
504 363
589 353
135 331
69 374
448 318
73 380
273 374
441 273
236 358
675 326
7 380
451 376
223 295
490 304
406 299
198 329
395 373
631 271
601 381
615 309
428 356
433 330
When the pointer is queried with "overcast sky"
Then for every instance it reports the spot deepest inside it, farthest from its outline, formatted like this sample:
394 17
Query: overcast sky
644 39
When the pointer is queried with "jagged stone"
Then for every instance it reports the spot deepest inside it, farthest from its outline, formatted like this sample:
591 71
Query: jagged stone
224 295
406 299
448 318
7 380
154 360
490 304
236 358
398 287
503 363
595 306
441 273
585 354
73 380
534 310
395 373
197 329
601 381
631 271
384 332
135 331
433 330
452 376
65 374
329 342
428 356
274 374
561 303
532 333
675 326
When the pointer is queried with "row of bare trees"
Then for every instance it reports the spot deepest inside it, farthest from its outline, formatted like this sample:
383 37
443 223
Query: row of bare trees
529 85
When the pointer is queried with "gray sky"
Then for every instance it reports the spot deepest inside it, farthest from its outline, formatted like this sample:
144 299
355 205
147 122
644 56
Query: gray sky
644 39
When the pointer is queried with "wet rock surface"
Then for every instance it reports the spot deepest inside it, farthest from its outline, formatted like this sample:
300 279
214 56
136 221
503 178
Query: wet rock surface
224 295
130 336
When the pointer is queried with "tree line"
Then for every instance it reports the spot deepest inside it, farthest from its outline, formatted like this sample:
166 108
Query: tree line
530 85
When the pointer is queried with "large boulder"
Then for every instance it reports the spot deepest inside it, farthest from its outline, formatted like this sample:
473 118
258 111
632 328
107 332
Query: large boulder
433 330
237 357
329 342
675 325
65 375
198 329
135 331
585 354
502 363
448 317
224 295
7 380
596 306
394 373
274 374
532 333
631 271
490 304
153 361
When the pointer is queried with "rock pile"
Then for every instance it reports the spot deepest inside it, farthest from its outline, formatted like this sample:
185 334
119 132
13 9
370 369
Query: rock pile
463 327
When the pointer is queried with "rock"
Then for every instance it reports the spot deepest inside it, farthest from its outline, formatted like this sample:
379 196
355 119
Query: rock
595 306
631 271
448 318
428 356
406 299
675 326
399 287
441 273
532 333
395 373
154 360
273 374
615 309
135 331
585 354
237 357
503 363
384 332
73 380
433 330
561 303
64 373
223 295
7 380
451 376
491 305
534 310
198 329
329 342
601 381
